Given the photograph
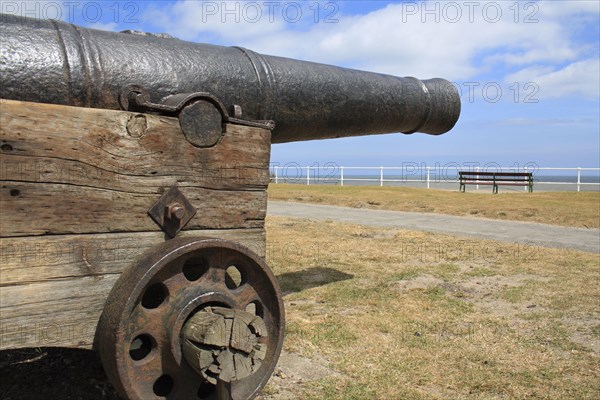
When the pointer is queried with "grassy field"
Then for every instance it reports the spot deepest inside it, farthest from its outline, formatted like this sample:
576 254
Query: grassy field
393 314
559 208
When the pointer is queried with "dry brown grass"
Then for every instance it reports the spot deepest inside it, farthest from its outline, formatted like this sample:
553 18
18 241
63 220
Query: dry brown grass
559 208
414 315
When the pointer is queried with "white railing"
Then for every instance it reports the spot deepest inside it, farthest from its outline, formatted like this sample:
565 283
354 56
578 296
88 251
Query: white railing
428 175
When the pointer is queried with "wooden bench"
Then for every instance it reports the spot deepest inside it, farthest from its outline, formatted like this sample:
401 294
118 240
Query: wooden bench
496 179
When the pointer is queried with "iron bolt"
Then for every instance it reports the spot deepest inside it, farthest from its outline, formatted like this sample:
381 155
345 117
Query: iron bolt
237 111
175 211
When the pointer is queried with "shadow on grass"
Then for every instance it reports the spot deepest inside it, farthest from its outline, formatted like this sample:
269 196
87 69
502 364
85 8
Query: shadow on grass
53 373
293 282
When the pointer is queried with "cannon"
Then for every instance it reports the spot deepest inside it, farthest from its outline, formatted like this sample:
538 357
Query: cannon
134 170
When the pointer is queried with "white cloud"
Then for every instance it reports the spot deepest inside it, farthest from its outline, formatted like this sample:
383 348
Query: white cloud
561 9
109 26
578 78
230 20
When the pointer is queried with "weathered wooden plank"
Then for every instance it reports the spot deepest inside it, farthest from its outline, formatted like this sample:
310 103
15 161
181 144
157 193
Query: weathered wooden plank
56 313
92 147
44 258
53 288
76 170
40 208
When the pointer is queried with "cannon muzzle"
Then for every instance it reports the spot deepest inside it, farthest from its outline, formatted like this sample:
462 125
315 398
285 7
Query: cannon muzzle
55 62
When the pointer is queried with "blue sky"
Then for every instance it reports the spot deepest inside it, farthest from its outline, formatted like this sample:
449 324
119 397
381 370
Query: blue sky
529 72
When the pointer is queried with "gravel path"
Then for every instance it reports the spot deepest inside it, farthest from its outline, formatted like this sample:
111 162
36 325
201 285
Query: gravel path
505 231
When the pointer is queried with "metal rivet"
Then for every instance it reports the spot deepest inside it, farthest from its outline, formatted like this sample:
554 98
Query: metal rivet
175 211
237 111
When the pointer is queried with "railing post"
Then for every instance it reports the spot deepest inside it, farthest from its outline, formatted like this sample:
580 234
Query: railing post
477 177
381 176
578 179
276 176
526 188
308 175
341 176
428 179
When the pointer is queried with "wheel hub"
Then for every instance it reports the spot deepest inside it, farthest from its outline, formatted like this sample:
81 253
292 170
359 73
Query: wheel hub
224 344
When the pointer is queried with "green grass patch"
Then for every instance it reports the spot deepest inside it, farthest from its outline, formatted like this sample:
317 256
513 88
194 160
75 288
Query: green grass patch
332 333
408 274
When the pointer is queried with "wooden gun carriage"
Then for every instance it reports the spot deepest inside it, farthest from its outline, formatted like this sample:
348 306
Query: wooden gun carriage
133 199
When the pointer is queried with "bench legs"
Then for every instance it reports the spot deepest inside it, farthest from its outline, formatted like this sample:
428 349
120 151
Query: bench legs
463 187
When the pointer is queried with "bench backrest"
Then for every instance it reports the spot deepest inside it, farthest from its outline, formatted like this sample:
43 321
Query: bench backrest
499 174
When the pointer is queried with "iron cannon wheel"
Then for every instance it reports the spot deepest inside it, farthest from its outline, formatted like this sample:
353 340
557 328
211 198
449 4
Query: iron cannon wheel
156 336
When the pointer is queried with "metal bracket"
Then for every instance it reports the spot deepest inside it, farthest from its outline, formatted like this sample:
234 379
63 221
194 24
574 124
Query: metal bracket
172 211
201 115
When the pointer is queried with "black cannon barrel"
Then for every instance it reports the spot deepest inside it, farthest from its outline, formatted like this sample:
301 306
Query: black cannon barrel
55 62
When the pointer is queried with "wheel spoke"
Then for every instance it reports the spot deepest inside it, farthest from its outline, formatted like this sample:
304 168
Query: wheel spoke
140 376
245 295
146 322
217 276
